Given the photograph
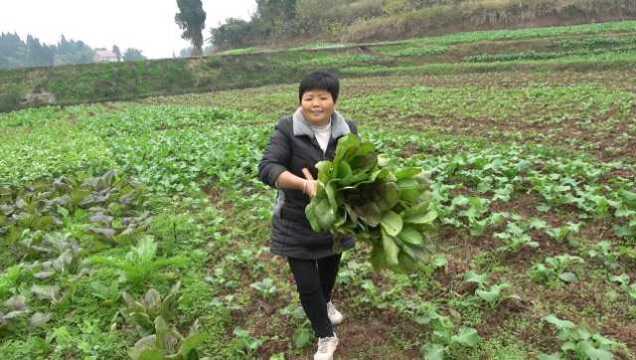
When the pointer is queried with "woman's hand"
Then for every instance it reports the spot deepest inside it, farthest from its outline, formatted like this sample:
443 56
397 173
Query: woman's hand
310 187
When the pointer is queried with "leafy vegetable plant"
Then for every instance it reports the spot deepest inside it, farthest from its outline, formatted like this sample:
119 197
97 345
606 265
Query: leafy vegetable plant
389 208
580 341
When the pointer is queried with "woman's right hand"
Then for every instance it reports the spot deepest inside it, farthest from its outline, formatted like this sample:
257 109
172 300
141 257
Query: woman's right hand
310 187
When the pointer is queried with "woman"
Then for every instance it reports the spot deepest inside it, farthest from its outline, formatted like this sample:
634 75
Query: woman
298 143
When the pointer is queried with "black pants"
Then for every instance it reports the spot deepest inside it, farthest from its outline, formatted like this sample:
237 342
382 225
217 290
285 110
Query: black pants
315 280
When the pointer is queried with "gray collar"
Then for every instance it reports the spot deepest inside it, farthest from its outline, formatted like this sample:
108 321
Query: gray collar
339 126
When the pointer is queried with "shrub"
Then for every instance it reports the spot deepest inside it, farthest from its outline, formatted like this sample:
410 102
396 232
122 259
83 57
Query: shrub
10 100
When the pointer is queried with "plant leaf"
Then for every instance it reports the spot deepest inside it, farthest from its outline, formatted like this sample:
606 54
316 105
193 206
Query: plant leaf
46 292
146 349
390 249
473 277
38 319
568 277
411 235
467 337
392 223
558 323
434 352
17 302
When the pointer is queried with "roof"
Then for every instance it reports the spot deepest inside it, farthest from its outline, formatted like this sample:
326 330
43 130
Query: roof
105 55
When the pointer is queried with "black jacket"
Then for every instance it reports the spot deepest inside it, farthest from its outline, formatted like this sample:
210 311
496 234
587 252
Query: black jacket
293 147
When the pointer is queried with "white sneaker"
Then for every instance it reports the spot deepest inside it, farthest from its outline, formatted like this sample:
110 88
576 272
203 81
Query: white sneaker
334 315
326 347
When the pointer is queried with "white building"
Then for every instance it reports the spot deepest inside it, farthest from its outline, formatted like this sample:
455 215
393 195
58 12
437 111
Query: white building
102 55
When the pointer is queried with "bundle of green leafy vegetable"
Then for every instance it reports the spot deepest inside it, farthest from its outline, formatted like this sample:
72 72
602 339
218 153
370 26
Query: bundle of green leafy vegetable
359 194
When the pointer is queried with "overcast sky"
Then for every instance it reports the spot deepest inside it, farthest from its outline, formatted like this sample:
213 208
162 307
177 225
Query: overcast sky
143 24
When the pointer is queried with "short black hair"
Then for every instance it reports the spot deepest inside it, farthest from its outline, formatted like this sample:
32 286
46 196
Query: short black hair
320 80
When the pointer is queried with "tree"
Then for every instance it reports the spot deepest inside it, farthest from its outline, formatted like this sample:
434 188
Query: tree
185 53
37 54
12 51
73 52
234 33
276 16
132 54
117 52
191 19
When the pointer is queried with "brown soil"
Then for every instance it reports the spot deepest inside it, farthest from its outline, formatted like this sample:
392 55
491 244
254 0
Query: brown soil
215 195
361 337
625 333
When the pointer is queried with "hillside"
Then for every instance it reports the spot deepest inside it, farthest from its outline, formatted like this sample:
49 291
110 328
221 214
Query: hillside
608 45
281 22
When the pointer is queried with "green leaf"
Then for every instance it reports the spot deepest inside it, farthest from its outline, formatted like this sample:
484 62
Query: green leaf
16 302
392 223
188 345
163 333
558 323
152 299
387 196
410 195
170 302
46 292
629 198
492 295
593 353
407 173
467 337
631 291
473 277
369 213
622 279
145 348
391 250
411 236
549 357
420 217
440 261
434 352
377 258
325 169
363 163
39 319
320 213
344 170
331 195
568 277
347 146
364 158
303 337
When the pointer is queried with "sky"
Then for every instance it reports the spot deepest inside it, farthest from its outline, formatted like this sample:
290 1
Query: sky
147 25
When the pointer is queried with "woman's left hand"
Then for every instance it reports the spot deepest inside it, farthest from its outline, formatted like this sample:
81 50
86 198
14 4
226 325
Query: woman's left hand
311 186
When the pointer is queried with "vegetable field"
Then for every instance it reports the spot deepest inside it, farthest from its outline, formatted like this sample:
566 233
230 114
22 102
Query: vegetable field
140 230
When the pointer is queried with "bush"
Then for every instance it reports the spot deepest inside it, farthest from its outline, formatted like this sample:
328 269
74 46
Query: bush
449 16
10 100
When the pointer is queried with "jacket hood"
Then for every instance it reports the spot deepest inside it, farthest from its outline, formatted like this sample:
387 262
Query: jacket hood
301 126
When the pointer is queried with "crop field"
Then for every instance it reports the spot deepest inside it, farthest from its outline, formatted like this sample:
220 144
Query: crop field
123 220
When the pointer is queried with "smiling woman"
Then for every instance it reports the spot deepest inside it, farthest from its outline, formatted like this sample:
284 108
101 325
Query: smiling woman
299 142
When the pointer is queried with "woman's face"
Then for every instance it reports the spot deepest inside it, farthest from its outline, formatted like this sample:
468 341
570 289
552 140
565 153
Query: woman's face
317 106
